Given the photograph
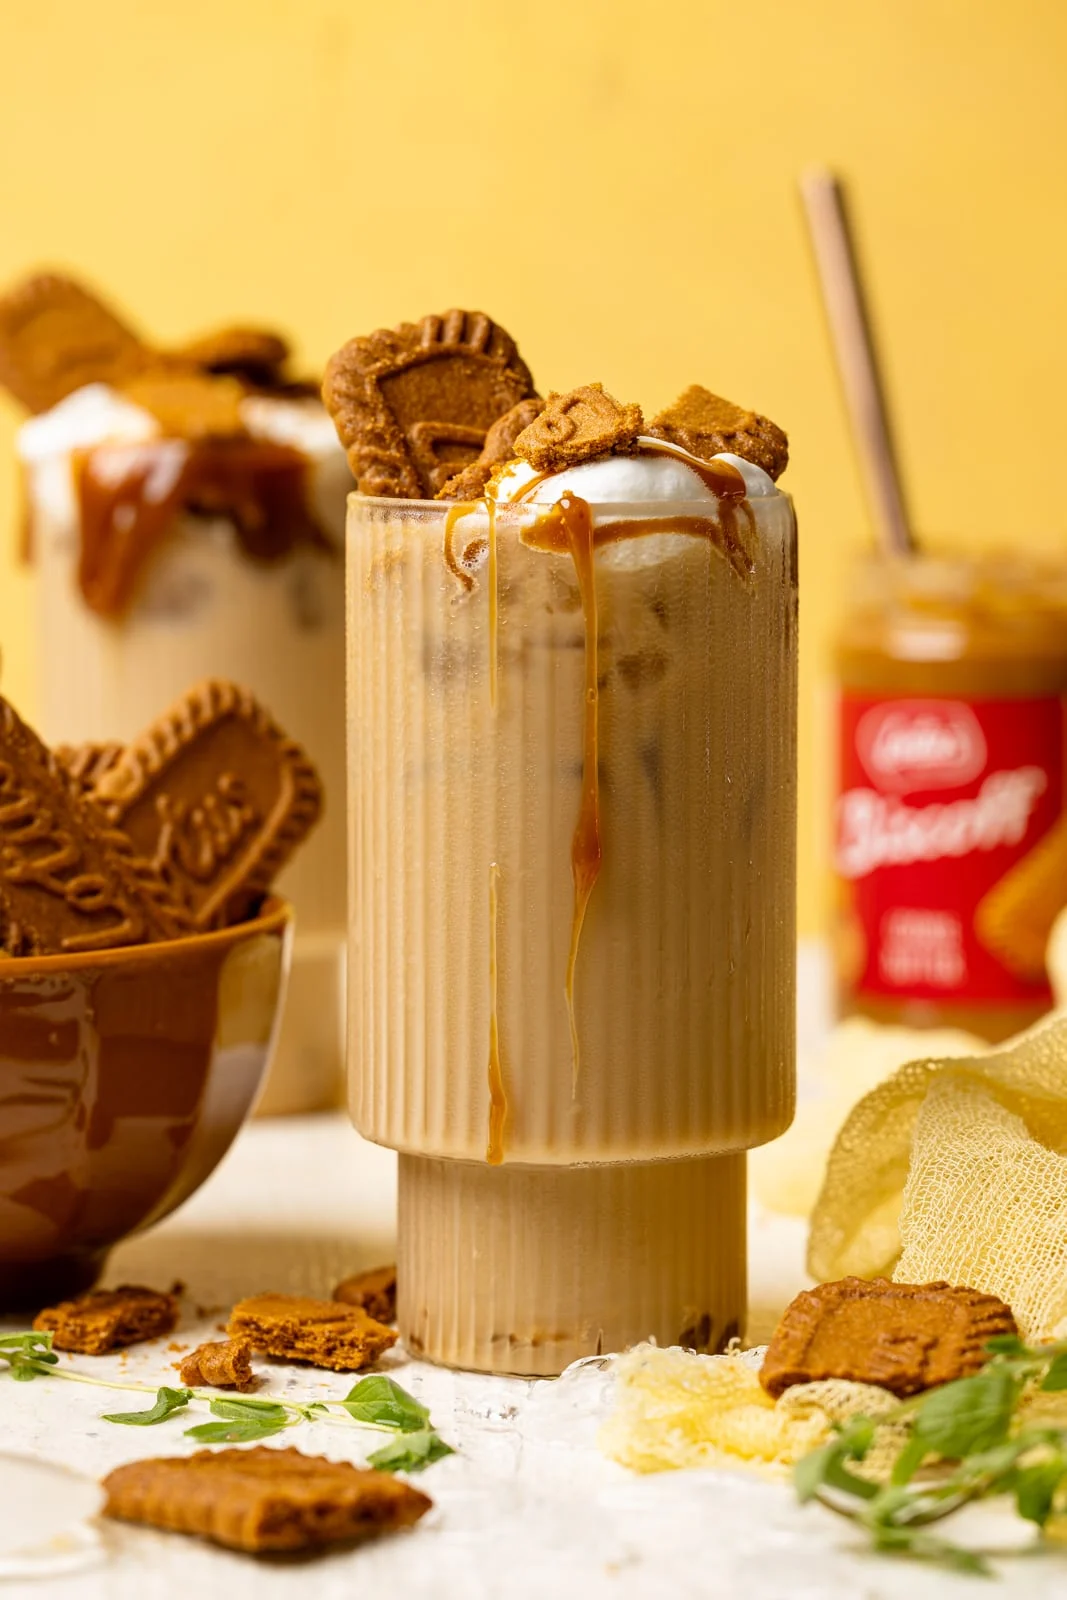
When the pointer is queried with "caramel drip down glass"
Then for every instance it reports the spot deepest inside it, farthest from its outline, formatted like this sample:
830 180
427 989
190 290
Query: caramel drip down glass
572 798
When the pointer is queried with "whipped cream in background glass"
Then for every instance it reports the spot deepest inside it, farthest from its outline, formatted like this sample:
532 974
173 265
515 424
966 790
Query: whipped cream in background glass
572 796
203 607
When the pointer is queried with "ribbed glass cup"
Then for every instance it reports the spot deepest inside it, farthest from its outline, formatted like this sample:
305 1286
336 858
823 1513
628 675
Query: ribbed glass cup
498 702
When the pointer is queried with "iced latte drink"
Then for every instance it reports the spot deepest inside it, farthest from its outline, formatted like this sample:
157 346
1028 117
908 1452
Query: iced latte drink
184 520
571 954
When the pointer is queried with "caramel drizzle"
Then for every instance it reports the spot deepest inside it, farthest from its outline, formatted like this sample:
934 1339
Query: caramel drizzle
570 523
456 513
498 1100
569 527
460 568
130 494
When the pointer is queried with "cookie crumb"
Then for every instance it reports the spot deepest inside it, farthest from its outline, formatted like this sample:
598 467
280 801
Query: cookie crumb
106 1319
219 1364
325 1333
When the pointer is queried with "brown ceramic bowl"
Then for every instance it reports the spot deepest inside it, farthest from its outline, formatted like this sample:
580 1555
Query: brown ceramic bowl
124 1076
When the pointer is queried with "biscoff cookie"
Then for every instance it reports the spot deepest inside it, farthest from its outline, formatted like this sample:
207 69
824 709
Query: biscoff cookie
903 1337
261 1500
413 405
56 336
578 426
108 1319
69 883
498 449
1015 917
216 797
706 425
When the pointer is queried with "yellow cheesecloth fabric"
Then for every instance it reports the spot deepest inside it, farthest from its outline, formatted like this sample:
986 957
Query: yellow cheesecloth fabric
957 1169
786 1175
675 1409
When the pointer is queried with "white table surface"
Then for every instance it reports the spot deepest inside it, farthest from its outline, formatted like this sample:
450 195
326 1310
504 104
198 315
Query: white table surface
528 1506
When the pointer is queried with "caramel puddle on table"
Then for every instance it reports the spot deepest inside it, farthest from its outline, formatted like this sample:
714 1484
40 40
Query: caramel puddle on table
498 1100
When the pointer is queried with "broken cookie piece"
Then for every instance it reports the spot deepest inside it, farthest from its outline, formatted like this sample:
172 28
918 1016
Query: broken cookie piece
262 1500
220 1364
413 404
375 1291
108 1319
576 427
188 404
255 355
499 448
707 426
904 1337
56 336
325 1333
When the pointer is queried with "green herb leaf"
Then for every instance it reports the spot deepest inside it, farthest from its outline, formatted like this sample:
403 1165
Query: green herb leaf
168 1401
28 1355
27 1341
243 1422
1036 1486
928 1547
249 1410
1007 1344
825 1468
382 1403
234 1432
1056 1376
969 1414
411 1452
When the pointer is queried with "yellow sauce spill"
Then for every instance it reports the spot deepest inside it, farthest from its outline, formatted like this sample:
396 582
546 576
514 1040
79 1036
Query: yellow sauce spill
498 1100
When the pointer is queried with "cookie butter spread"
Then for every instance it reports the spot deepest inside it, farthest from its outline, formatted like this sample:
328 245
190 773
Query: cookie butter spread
950 829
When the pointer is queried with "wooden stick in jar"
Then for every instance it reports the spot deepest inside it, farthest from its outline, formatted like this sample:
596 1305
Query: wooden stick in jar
850 328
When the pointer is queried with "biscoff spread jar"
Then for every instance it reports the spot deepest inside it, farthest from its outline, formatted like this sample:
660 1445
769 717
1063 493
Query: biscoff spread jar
950 839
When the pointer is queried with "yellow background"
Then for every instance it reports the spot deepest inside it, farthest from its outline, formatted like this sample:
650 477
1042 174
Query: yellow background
614 181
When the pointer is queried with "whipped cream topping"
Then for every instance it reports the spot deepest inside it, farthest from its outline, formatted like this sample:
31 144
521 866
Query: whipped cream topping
658 471
98 414
88 416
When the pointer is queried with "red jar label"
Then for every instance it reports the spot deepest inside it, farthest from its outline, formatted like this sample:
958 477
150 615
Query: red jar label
950 845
